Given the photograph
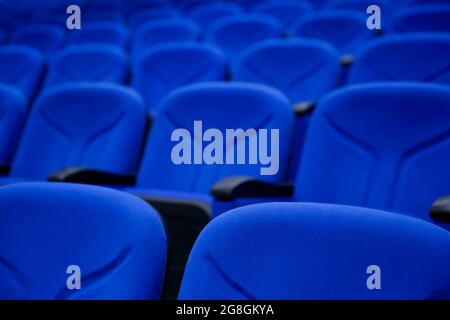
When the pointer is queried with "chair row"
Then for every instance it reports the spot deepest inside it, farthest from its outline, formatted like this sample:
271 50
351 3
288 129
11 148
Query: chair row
67 241
345 29
382 146
304 70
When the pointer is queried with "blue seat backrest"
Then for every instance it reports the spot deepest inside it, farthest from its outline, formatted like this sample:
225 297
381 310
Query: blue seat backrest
167 67
287 13
288 251
43 37
49 230
219 106
88 63
99 126
152 14
100 32
423 18
234 34
384 146
163 31
408 57
13 109
304 69
21 67
206 15
344 29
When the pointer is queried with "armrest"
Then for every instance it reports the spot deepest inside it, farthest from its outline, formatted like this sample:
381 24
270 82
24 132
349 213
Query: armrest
90 176
440 210
347 59
303 108
248 187
4 170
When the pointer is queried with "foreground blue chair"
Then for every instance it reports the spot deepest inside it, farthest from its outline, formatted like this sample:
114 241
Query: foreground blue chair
234 34
45 38
88 63
13 109
48 231
424 18
383 146
288 251
166 67
98 33
408 57
88 125
21 67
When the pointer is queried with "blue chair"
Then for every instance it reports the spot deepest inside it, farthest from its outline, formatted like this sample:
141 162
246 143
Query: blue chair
344 29
3 36
289 251
167 67
408 57
87 63
21 67
100 32
45 38
140 17
383 146
234 34
208 14
163 31
425 18
98 126
50 232
287 13
13 109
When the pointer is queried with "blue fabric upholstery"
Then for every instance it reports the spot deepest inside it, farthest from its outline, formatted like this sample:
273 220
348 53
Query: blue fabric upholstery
217 106
150 14
13 108
88 63
287 13
317 251
166 67
117 240
304 69
163 31
99 126
382 146
208 14
344 29
43 37
426 18
21 67
408 57
234 34
100 32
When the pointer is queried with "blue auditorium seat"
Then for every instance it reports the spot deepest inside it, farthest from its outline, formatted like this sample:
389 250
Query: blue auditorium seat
87 63
98 126
188 5
100 32
382 145
21 67
47 230
304 251
424 18
234 34
408 57
344 29
304 70
208 14
43 37
167 67
3 36
163 31
287 13
13 108
151 14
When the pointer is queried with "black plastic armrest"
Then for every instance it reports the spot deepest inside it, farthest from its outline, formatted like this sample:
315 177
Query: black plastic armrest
4 170
347 59
303 108
91 176
440 210
248 187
